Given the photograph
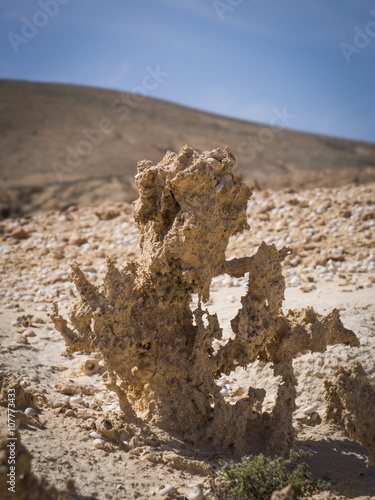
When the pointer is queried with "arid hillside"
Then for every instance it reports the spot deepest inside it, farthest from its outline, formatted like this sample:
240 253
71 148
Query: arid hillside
64 144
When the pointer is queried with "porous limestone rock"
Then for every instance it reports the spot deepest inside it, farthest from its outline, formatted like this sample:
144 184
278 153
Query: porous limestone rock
350 400
159 353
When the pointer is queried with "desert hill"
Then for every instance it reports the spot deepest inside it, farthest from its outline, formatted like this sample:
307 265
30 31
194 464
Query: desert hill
39 121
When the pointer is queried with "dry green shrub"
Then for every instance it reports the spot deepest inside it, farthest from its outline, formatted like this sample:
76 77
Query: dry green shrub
257 477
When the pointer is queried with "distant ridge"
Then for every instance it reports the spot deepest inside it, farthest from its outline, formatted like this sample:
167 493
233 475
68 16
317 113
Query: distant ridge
40 123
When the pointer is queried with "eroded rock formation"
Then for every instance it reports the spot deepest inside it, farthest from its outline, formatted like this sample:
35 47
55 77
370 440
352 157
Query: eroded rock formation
158 351
350 400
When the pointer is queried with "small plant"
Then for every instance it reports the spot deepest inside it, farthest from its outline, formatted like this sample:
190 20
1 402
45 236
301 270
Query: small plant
257 477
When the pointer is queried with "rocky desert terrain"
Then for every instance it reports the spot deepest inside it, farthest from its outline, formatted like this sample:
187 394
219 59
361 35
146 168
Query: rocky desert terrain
68 429
311 193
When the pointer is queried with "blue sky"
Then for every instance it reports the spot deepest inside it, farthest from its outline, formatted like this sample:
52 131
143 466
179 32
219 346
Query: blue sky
242 59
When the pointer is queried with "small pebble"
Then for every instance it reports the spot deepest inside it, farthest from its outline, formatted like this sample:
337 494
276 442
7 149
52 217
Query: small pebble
295 280
165 490
94 406
98 443
100 398
94 435
308 410
41 308
197 495
30 412
21 340
29 333
77 399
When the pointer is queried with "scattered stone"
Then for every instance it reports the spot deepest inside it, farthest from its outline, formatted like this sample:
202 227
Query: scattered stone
58 253
19 234
77 400
29 333
30 412
196 494
39 320
69 387
98 443
21 340
166 489
307 288
309 410
94 435
77 239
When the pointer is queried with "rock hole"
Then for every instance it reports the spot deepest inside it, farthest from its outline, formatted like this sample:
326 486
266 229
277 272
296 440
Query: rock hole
108 425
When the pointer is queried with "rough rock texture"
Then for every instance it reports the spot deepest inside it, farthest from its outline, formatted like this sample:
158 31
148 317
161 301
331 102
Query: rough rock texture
23 397
350 400
159 353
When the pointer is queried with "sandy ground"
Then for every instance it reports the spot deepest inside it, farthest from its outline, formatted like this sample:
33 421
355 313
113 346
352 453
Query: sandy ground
333 265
